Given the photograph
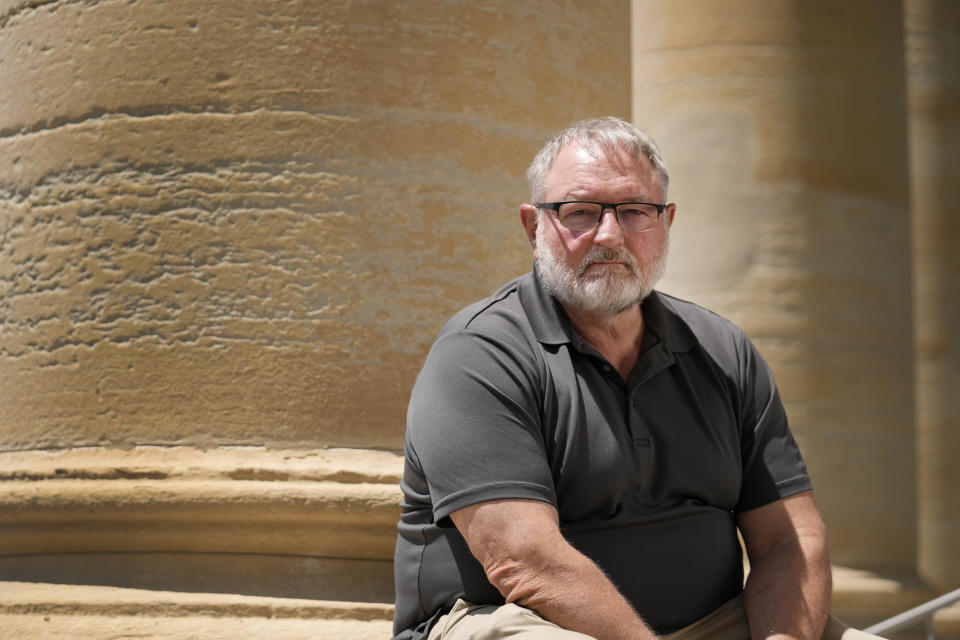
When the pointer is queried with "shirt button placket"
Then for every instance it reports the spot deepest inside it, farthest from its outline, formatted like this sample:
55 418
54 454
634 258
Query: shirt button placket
641 437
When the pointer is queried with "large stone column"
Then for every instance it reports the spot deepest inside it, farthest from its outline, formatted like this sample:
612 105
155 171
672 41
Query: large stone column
933 48
784 124
228 234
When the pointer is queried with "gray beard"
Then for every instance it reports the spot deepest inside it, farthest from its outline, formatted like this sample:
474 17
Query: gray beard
607 293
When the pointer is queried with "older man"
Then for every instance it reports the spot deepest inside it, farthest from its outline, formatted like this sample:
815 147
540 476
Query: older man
581 450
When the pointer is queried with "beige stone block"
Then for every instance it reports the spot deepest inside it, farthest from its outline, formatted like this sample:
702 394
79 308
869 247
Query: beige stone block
248 284
244 223
317 525
55 611
251 574
336 504
465 59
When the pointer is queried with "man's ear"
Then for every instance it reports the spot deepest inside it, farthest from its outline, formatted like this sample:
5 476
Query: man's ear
670 212
529 217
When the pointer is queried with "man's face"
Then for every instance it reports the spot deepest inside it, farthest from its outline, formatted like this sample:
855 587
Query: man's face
605 270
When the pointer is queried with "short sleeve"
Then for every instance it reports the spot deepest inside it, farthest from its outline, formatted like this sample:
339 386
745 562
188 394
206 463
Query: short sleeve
473 424
773 467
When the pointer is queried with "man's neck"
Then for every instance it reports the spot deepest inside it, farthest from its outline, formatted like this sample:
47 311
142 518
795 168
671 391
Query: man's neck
616 337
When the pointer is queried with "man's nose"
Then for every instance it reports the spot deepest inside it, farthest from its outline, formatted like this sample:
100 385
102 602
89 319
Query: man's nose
609 233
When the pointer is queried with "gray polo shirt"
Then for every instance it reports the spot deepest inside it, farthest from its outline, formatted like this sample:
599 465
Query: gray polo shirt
647 474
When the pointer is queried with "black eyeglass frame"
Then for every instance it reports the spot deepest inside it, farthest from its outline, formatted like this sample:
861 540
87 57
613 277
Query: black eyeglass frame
555 207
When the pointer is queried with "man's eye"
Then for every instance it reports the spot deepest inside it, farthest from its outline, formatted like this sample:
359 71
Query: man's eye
637 211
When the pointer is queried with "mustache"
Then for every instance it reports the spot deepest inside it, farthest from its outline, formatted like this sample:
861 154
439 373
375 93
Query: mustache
606 254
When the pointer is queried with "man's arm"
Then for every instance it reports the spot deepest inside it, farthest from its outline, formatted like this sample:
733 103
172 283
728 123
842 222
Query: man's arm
788 591
527 559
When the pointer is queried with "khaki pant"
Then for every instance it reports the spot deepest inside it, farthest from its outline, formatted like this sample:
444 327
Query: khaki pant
485 622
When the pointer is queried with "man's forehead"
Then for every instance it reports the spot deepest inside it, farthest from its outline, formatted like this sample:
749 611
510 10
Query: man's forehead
582 153
575 158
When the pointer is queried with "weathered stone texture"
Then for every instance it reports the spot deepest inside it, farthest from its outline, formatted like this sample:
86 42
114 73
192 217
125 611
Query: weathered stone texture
331 504
784 126
295 523
98 612
243 223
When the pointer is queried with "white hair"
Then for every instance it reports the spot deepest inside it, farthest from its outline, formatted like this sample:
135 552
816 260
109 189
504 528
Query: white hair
597 135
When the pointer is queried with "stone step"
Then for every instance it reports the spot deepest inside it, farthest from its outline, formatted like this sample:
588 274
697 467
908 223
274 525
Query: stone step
41 611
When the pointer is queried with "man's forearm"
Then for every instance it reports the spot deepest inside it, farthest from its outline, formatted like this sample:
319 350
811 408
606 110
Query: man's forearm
571 591
526 557
788 591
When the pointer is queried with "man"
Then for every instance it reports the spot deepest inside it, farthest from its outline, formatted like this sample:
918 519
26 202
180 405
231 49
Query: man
581 451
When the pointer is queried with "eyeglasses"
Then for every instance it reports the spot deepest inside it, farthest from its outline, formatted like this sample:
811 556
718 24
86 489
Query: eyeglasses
584 216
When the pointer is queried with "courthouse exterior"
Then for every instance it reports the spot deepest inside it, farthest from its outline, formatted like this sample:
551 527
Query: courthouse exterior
230 230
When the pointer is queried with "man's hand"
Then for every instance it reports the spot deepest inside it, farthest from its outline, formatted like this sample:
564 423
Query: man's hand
788 591
527 559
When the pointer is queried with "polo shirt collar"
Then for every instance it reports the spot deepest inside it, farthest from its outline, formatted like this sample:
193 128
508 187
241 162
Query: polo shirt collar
551 325
547 318
664 322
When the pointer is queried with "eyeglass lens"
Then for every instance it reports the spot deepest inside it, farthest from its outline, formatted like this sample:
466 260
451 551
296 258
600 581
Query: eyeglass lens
582 216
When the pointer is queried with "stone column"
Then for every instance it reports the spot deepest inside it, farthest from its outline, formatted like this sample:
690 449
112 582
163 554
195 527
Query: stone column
784 124
228 234
933 80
